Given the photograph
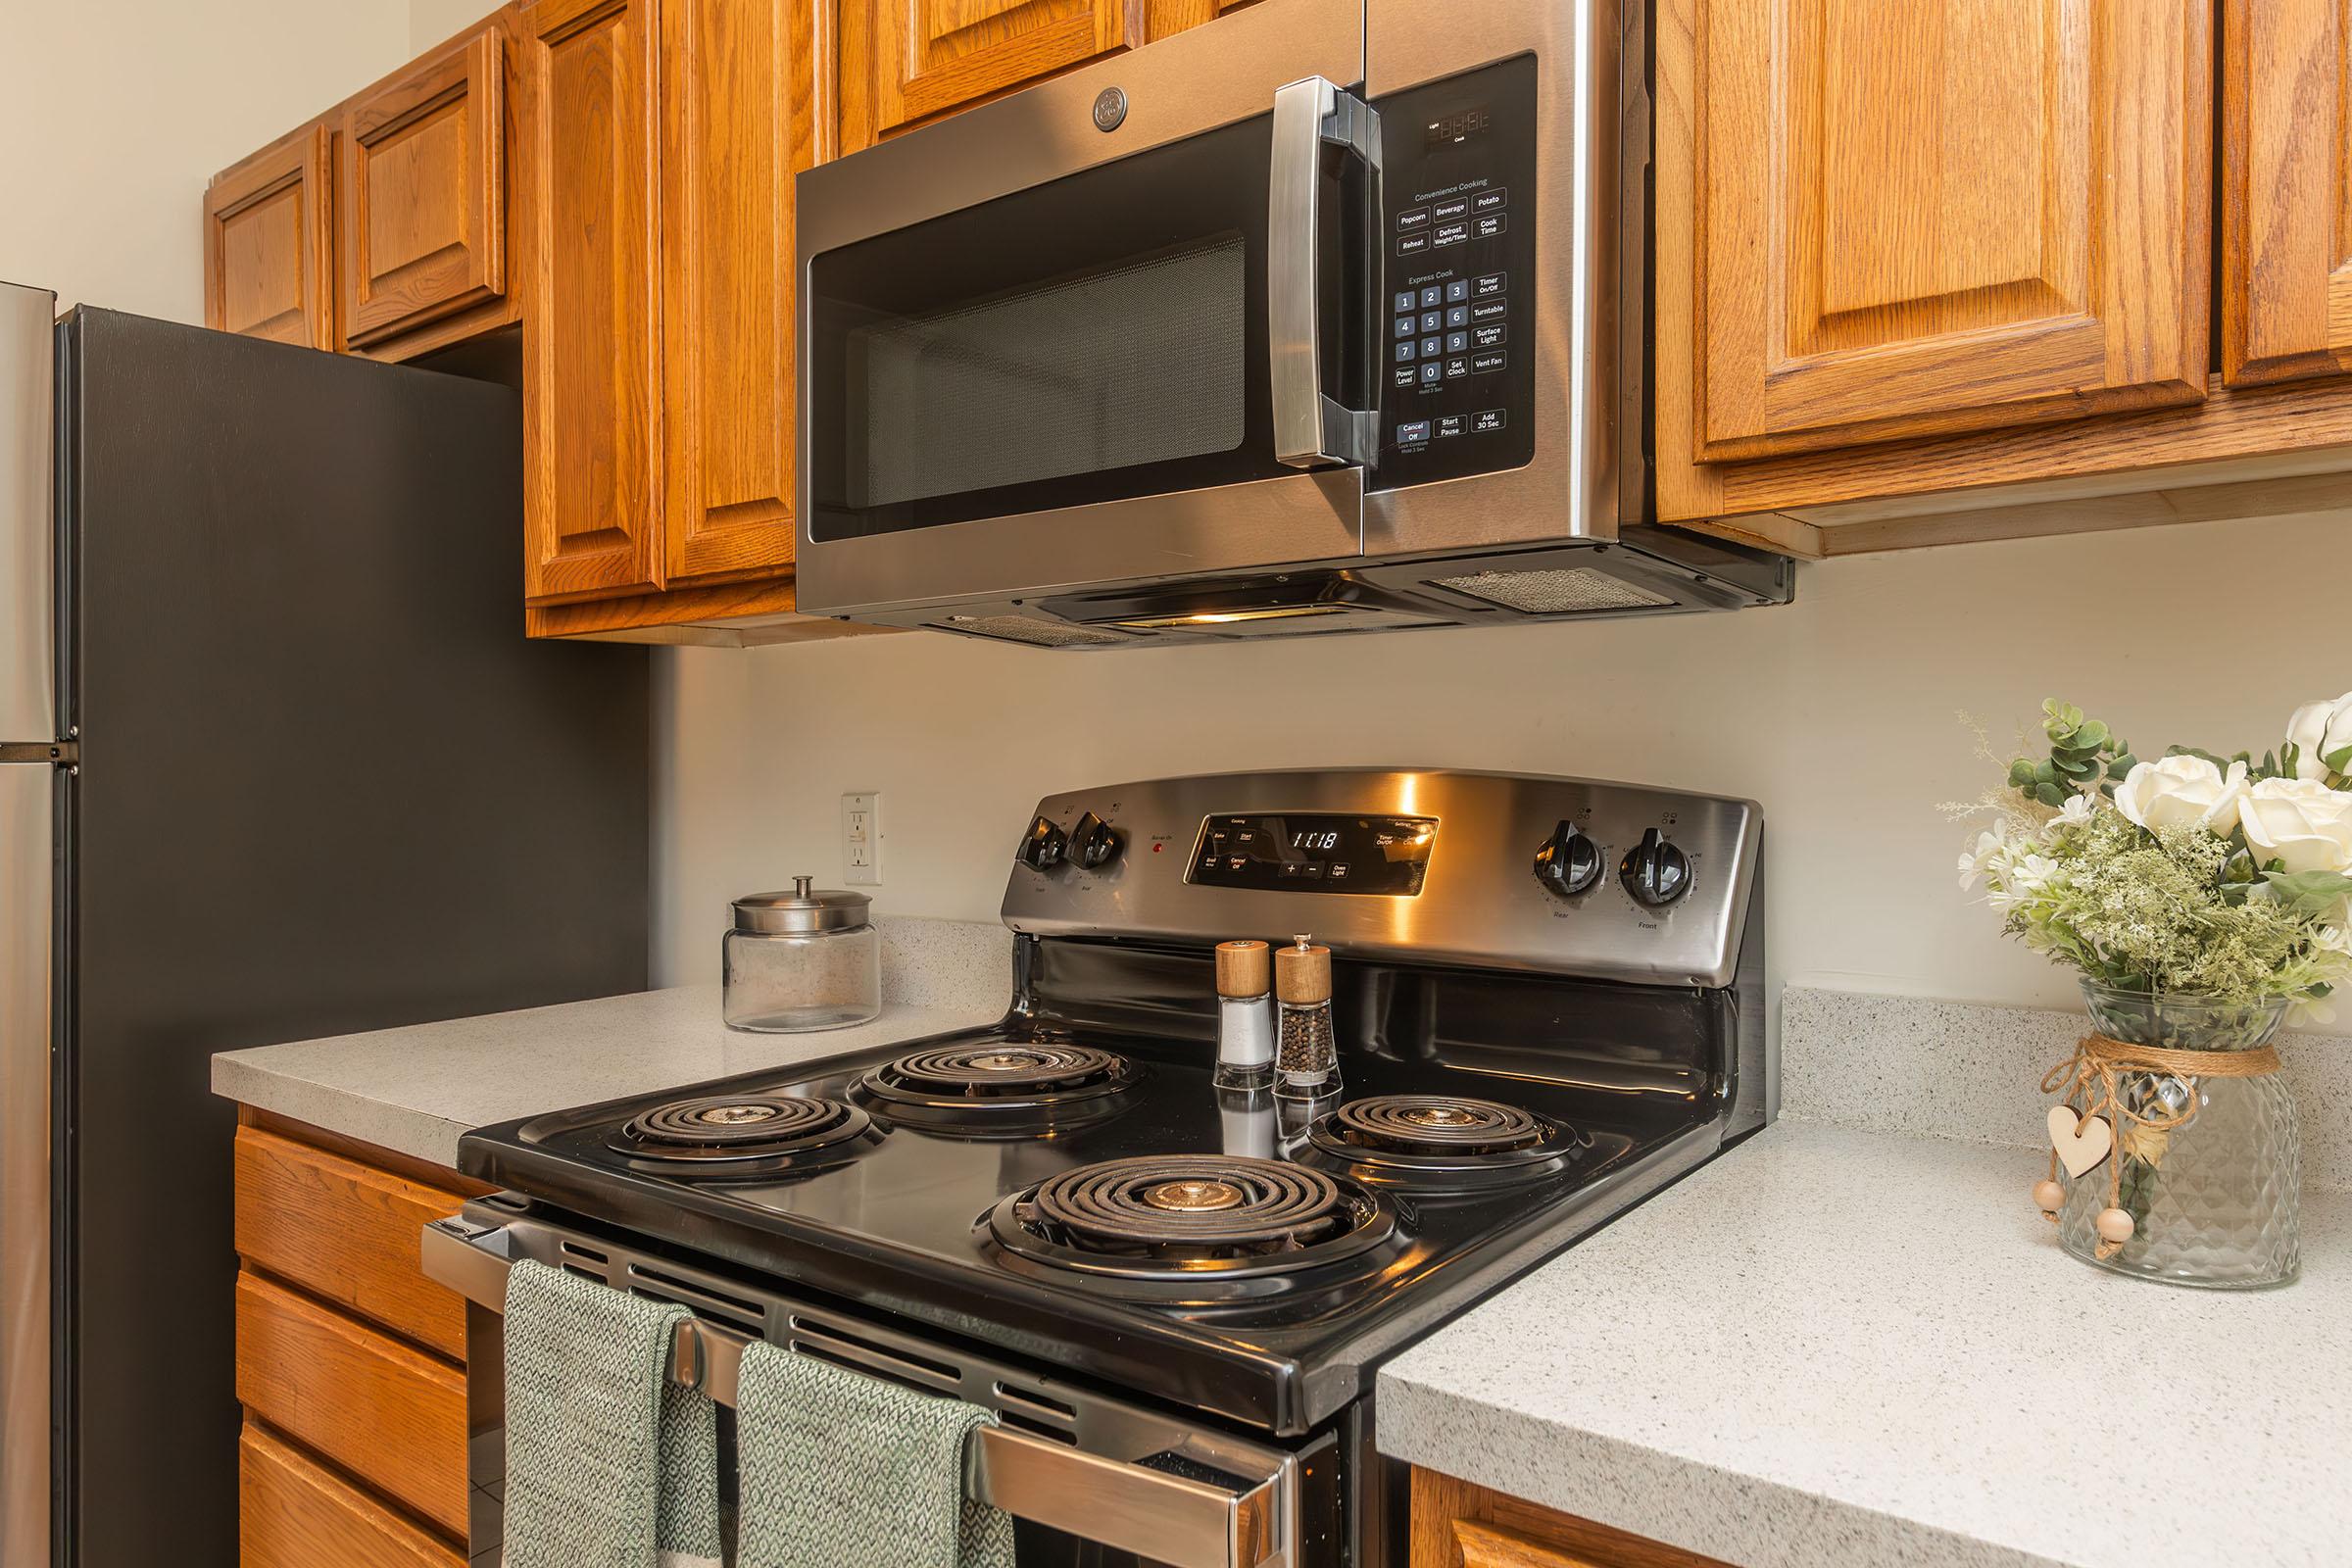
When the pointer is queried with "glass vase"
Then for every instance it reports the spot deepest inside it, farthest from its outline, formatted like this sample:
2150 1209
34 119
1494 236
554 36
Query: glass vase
2213 1200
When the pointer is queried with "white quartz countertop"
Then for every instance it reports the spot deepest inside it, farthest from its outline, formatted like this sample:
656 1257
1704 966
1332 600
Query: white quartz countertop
1833 1347
418 1089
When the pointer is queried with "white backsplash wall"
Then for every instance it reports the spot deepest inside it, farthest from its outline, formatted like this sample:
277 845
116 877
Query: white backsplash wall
1840 713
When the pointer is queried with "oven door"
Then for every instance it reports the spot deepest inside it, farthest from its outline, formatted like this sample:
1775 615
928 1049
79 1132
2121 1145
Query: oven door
1118 326
1091 1482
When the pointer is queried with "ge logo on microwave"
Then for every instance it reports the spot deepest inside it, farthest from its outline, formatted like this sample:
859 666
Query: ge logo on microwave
1110 110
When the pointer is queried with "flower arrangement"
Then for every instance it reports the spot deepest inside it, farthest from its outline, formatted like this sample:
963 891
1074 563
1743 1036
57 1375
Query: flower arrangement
2225 879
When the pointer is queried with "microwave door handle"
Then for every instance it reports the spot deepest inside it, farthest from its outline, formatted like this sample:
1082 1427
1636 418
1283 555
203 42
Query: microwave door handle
1311 429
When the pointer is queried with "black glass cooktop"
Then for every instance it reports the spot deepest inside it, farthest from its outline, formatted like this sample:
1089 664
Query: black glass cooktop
1085 1197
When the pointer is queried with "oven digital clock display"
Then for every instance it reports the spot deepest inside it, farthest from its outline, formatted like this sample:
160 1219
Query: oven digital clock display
1314 853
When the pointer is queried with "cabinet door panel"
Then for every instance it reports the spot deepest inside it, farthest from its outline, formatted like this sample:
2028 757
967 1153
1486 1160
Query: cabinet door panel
2286 189
422 193
1165 17
267 247
739 85
1920 218
920 57
294 1513
592 414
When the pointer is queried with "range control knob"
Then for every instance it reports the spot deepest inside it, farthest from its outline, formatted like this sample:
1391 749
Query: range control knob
1044 846
1654 871
1093 842
1568 863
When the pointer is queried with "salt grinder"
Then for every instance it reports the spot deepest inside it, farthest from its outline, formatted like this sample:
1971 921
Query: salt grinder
1245 1015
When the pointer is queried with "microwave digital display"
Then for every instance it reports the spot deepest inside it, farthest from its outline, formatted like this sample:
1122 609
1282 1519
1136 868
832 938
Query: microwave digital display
1463 124
1295 851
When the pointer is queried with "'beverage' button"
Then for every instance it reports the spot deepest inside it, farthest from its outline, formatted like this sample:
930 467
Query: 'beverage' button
1457 207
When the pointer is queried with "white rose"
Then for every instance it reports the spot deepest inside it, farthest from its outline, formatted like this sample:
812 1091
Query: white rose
2317 730
2300 822
2182 792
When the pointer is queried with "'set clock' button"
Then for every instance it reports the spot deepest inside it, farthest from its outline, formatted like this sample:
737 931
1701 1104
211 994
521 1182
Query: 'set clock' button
1456 368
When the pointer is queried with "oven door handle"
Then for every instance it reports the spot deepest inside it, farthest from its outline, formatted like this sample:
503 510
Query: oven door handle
1311 428
1165 1518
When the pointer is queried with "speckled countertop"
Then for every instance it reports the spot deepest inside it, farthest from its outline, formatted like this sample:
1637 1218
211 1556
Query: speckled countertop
1840 1347
418 1089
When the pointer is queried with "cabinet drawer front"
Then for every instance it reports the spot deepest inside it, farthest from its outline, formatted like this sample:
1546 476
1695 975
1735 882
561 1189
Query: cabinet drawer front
1912 219
267 243
291 1513
346 1232
393 1416
2286 189
421 193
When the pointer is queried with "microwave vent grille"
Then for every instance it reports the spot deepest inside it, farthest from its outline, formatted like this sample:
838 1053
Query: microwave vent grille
1031 630
1574 590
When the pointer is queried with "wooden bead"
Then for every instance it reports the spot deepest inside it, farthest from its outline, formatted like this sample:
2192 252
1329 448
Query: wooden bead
2049 1196
2115 1226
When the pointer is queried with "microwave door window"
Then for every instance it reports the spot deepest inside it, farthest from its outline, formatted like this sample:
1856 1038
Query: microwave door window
1100 337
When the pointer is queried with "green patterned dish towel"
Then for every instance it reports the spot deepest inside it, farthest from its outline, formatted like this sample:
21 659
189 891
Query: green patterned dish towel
840 1470
608 1463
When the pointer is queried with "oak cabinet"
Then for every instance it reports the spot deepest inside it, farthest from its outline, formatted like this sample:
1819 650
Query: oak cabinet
268 247
904 61
2286 189
1914 220
1458 1525
591 338
420 192
293 1512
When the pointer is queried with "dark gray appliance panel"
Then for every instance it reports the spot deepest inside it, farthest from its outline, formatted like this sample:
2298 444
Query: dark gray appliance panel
327 786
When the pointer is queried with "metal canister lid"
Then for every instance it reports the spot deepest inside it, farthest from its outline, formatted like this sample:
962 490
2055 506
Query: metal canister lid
804 908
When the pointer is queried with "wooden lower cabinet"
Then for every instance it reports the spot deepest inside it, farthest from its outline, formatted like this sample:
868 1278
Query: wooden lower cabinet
350 1362
1457 1525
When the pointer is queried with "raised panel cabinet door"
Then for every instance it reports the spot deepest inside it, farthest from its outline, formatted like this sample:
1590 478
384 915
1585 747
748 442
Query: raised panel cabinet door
904 60
1166 16
2286 189
268 246
422 193
292 1512
591 348
738 122
1911 220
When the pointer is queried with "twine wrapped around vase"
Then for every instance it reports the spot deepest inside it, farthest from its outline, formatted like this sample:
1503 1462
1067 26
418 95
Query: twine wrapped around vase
2089 1082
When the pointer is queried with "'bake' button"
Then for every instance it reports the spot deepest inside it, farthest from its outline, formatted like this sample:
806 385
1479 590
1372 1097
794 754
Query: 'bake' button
1451 424
1412 245
1488 201
1489 226
1418 218
1483 363
1458 207
1412 434
1490 310
1454 233
1490 420
1457 291
1486 337
1489 285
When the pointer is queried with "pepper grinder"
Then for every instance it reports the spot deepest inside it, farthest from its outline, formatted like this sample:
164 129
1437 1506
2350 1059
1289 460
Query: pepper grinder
1307 1053
1245 1015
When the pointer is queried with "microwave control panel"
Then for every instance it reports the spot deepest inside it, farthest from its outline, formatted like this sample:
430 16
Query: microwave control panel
1457 362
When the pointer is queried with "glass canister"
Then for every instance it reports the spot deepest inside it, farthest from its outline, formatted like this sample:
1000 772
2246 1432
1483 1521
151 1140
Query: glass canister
801 961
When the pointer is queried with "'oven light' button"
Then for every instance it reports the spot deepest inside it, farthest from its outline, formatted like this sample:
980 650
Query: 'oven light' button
1338 871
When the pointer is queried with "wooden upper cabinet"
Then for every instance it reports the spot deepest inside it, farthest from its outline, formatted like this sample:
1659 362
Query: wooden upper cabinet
905 60
1165 17
592 410
1913 219
423 192
738 122
268 248
2286 189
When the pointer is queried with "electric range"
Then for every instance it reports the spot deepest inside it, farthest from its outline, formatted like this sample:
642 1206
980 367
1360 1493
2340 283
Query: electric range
1548 994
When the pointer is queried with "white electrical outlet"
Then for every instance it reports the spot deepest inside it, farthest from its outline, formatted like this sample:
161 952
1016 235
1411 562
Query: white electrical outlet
861 839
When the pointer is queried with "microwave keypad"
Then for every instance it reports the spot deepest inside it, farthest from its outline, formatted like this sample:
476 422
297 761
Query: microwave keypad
1460 265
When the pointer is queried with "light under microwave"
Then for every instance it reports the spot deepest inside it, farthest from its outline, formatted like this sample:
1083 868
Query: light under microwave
1325 317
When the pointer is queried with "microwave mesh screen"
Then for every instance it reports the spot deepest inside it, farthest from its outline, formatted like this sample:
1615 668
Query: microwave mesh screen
1024 629
1138 363
1566 592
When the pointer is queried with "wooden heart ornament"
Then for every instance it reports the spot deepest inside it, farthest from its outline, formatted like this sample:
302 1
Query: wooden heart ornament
2081 1141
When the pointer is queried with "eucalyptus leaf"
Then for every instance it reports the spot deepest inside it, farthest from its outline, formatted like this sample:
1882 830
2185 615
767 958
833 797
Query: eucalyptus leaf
2091 736
2051 794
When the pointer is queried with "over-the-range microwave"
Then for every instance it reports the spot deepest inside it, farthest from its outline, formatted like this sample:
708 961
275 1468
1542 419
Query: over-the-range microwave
1325 317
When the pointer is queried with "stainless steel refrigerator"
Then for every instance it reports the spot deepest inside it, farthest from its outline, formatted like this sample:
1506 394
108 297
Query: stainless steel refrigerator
275 762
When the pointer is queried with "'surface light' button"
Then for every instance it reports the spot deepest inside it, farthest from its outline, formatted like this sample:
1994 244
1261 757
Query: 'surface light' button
1488 338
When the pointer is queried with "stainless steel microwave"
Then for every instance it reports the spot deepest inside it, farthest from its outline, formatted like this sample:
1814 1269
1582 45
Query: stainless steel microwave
1324 316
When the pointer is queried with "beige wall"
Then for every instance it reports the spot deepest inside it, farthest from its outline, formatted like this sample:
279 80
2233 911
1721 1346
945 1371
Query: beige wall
432 21
1840 713
114 113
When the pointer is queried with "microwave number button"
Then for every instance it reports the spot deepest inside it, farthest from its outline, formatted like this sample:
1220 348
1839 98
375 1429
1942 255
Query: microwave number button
1431 296
1458 316
1433 321
1406 348
1457 291
1460 342
1432 347
1431 370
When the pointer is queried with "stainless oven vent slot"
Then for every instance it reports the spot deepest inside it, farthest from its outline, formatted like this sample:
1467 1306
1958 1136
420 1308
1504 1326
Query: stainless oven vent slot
1029 629
1048 1415
1559 591
830 1343
659 1287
